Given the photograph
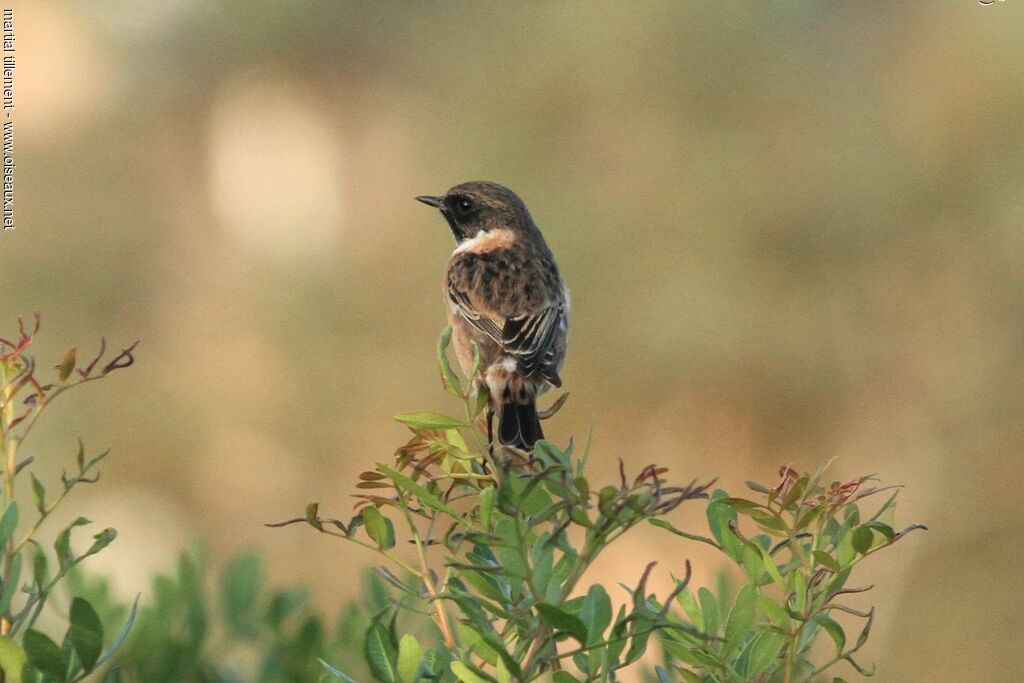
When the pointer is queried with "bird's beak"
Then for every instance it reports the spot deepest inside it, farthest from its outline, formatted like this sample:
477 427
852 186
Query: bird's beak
431 201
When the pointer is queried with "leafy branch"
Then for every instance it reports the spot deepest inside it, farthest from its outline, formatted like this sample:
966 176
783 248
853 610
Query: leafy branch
493 530
24 398
811 538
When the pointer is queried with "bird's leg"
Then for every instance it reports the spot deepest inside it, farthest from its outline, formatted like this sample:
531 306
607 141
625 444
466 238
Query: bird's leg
490 430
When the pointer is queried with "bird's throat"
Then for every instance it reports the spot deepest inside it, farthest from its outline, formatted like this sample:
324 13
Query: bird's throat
454 228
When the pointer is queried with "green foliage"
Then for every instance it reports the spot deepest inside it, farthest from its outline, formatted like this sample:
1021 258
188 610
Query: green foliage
28 581
811 537
502 541
197 627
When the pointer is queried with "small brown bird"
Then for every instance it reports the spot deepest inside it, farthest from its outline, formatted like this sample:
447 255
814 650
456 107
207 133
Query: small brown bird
504 292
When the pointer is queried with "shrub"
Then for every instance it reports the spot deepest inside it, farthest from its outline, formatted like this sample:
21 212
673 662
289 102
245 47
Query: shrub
199 626
516 533
27 654
797 570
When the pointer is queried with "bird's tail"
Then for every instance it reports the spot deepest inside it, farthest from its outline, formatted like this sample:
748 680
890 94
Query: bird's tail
518 423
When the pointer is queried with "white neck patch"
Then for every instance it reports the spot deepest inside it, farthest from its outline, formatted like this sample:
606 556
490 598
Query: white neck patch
470 243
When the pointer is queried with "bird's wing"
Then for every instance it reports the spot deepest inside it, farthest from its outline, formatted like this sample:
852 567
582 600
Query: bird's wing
481 321
531 339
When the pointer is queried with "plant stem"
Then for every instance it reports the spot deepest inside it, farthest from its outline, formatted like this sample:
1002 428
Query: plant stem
10 442
787 674
428 583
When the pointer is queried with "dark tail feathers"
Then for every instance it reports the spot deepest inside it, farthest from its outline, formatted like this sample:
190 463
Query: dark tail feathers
518 424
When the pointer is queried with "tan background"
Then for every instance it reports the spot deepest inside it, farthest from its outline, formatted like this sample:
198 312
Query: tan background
792 231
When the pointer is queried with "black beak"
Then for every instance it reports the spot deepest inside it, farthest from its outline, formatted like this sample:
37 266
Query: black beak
436 202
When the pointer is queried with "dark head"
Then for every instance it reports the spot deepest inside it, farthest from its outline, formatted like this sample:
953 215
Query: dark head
479 206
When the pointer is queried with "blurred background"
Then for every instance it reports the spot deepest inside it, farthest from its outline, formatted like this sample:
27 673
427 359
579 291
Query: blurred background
792 231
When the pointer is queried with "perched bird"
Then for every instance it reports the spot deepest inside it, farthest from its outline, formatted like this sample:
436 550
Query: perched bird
504 292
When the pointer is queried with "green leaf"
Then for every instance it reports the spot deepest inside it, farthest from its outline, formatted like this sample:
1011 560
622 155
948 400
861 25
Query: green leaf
769 522
67 366
554 407
100 541
752 562
434 663
44 655
888 505
448 378
662 524
796 492
62 545
638 645
548 453
483 397
465 674
563 621
834 630
285 603
410 653
578 514
39 493
11 585
380 653
8 521
860 669
618 643
241 586
741 617
805 519
12 659
486 506
486 583
762 652
122 635
424 419
760 488
564 677
472 639
881 528
313 516
742 505
379 528
863 537
688 654
85 633
863 637
478 358
709 609
689 676
337 673
719 516
420 491
689 604
827 560
501 672
596 614
663 676
773 611
770 566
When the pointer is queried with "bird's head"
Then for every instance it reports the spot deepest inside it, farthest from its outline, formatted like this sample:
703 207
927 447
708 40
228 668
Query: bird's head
480 206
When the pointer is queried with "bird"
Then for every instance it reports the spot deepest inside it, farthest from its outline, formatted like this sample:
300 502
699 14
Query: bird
504 292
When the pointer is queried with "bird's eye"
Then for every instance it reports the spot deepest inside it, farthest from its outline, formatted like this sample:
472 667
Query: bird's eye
464 205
